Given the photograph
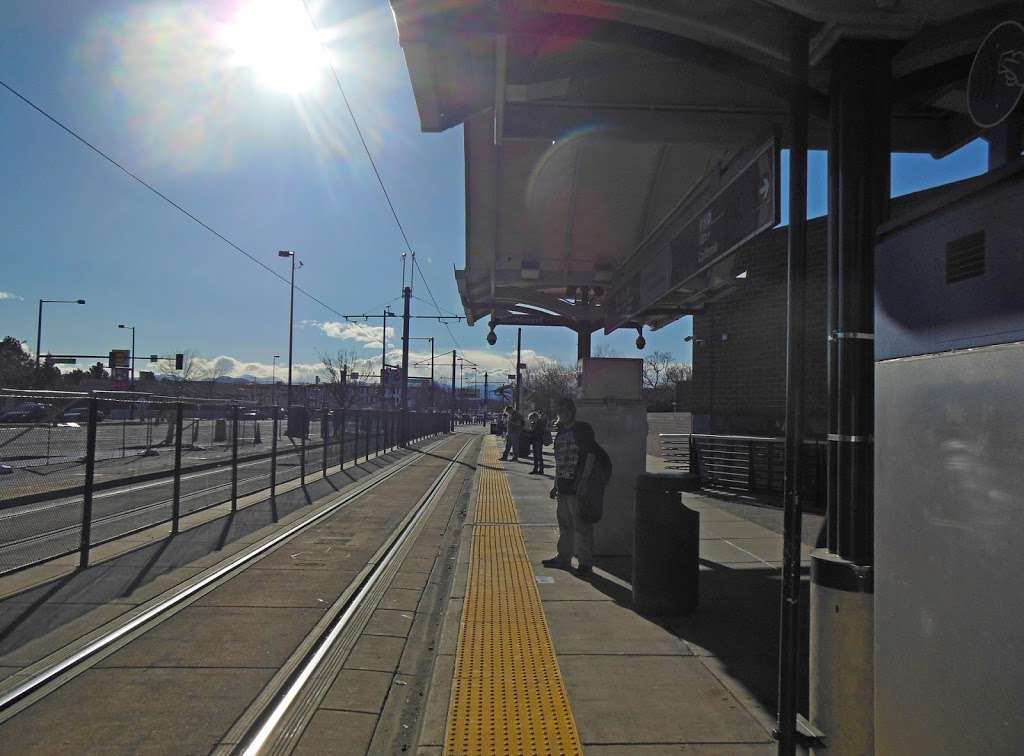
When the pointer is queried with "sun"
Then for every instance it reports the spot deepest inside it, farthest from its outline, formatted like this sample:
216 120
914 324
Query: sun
275 40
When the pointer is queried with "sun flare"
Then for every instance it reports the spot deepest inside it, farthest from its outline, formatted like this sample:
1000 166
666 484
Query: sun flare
275 40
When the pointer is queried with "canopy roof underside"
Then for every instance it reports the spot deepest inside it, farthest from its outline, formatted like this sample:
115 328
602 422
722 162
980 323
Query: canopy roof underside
586 122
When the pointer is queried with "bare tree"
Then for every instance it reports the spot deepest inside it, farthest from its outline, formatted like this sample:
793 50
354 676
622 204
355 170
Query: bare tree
339 369
656 365
661 373
549 383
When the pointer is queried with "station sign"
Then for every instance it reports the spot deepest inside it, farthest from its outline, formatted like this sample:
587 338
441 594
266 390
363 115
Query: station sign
733 203
996 81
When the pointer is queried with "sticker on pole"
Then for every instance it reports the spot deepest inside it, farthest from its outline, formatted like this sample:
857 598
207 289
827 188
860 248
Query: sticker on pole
996 82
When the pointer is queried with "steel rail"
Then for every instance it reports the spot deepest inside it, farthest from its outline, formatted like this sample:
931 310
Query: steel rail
233 565
263 731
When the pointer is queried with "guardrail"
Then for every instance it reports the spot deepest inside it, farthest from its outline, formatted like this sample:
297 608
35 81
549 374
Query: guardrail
749 463
67 485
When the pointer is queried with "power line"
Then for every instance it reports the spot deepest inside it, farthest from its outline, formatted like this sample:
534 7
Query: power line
157 192
373 164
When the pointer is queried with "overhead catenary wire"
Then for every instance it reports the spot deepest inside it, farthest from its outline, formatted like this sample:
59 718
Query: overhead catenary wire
137 178
376 172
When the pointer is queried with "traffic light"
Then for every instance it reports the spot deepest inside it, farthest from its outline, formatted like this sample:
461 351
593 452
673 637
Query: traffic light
179 361
153 357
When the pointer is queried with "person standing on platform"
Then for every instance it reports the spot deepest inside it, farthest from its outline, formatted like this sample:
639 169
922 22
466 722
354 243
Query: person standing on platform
576 454
515 428
538 434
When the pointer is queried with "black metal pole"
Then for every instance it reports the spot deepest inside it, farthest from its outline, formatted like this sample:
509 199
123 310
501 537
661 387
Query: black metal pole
90 470
234 458
39 333
404 423
366 434
341 441
179 416
355 443
324 435
432 373
291 333
519 361
454 405
789 624
273 466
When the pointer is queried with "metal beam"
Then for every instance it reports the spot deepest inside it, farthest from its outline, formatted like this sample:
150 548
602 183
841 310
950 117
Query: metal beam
441 25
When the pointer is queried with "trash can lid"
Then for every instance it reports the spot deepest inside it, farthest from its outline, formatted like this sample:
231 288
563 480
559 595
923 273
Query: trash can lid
667 481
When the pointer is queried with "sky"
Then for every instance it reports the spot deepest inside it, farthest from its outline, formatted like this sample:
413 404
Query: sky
226 108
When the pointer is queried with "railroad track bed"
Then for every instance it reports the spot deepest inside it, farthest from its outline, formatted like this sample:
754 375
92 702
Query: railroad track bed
296 638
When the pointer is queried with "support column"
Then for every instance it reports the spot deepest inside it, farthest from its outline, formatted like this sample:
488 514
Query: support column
583 341
789 622
842 618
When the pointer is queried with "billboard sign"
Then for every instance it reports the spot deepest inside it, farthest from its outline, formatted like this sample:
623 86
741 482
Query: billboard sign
120 369
735 202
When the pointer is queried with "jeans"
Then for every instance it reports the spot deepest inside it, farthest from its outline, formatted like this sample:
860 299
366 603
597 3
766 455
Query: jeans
574 535
511 444
538 454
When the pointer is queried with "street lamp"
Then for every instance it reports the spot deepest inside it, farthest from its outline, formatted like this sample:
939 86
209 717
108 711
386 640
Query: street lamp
273 381
291 320
131 359
39 326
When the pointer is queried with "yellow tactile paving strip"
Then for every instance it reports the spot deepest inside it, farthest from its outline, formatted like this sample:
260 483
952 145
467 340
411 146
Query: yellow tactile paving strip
508 696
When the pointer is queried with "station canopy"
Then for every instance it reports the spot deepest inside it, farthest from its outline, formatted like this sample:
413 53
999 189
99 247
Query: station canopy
589 126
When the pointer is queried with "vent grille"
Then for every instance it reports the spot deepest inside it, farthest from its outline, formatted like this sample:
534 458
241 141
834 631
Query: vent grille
965 257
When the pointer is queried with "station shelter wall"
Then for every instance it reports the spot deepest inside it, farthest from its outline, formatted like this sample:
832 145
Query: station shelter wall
739 346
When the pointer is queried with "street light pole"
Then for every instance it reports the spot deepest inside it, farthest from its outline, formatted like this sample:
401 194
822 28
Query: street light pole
131 358
39 324
273 381
291 321
407 296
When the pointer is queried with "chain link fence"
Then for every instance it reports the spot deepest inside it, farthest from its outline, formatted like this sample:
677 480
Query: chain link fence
78 469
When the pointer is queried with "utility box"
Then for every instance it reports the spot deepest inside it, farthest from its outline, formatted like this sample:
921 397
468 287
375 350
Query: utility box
666 552
949 478
609 398
298 422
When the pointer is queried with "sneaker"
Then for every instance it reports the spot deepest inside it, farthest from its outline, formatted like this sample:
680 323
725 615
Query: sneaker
556 561
584 571
503 457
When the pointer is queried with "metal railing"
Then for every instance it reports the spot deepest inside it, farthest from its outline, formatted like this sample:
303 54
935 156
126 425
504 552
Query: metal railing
749 463
81 469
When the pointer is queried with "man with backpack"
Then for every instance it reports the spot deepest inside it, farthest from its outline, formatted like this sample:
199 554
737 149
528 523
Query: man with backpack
582 471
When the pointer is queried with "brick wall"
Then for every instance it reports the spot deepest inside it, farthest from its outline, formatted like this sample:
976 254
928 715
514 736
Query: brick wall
739 383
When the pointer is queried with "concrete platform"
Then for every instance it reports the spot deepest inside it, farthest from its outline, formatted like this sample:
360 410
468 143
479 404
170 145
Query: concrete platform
704 683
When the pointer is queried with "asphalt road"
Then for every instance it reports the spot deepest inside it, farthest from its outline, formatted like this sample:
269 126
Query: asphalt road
41 530
33 446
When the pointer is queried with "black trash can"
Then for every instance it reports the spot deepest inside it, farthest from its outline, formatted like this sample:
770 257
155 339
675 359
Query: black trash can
666 545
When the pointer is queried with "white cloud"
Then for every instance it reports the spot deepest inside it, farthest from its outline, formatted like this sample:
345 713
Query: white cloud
363 333
235 368
10 295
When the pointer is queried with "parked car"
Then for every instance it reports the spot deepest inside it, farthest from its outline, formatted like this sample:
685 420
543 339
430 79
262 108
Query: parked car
79 413
26 412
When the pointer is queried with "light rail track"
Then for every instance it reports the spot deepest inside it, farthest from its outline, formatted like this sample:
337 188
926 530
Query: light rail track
35 682
277 719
